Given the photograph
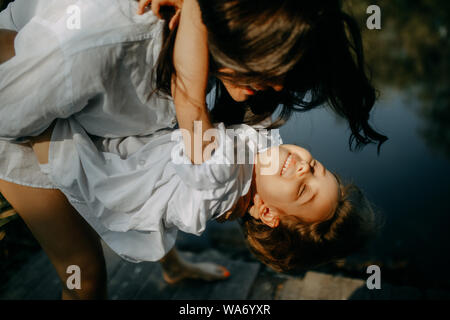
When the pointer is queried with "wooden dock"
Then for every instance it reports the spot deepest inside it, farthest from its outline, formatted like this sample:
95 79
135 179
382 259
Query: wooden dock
37 280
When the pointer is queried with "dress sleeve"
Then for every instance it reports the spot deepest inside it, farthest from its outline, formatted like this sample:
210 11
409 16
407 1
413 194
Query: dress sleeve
208 190
35 84
17 14
223 164
6 18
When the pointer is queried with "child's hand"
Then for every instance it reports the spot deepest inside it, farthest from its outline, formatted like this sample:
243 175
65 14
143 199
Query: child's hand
156 8
7 44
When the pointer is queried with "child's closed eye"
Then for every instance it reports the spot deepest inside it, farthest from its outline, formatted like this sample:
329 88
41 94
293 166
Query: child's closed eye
301 190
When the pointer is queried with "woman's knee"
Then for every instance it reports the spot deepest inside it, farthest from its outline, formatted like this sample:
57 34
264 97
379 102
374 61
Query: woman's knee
88 271
84 283
83 275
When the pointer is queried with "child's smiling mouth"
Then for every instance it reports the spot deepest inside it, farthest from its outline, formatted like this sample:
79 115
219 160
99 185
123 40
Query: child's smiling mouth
289 160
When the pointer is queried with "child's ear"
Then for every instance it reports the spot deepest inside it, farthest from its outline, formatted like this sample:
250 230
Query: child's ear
270 217
255 208
261 211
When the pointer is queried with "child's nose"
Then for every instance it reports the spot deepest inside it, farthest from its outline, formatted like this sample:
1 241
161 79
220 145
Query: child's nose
303 168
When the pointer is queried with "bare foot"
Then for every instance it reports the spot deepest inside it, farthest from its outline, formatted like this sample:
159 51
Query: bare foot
205 271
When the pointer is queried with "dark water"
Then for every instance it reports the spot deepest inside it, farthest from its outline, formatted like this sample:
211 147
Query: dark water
409 181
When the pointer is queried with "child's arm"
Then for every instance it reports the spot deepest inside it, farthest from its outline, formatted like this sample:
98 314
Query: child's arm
6 44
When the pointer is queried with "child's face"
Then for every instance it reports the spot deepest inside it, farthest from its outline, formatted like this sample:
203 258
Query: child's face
300 186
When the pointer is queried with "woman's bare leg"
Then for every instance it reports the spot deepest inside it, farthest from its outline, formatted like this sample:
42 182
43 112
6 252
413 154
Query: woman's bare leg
64 236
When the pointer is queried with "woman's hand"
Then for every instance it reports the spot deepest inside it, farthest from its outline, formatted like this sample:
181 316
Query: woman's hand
156 8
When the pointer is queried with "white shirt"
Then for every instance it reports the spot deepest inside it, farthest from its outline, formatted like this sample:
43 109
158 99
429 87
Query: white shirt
100 74
142 190
99 78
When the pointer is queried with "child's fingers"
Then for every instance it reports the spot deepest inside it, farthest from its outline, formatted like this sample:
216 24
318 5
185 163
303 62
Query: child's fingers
157 4
175 20
142 5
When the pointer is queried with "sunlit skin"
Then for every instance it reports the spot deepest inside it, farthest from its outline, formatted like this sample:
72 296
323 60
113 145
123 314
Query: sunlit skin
301 186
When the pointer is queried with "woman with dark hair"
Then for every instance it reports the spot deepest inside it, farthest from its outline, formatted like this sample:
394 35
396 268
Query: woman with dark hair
302 58
297 54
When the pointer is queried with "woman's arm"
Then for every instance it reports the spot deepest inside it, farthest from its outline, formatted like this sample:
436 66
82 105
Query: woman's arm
190 58
7 44
191 63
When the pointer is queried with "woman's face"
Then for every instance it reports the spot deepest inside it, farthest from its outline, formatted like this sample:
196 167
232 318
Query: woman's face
242 93
297 185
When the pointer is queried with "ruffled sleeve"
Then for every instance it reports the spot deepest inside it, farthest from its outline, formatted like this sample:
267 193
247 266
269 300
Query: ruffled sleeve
6 18
208 190
18 13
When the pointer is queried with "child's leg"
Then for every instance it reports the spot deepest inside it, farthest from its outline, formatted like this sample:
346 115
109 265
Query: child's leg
64 236
176 269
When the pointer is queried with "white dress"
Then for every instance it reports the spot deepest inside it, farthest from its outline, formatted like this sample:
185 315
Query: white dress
97 80
137 192
100 74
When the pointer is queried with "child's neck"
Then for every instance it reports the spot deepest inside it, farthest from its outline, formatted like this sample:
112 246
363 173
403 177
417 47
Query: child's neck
245 202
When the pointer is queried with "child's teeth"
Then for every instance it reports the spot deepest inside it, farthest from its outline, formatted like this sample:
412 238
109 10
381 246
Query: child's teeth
286 165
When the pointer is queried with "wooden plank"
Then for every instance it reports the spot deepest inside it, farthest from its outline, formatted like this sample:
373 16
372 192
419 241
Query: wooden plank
27 277
406 293
265 287
240 282
193 290
128 280
236 287
363 293
49 289
155 288
319 286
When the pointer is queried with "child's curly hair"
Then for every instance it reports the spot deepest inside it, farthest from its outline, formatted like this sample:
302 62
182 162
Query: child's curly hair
295 245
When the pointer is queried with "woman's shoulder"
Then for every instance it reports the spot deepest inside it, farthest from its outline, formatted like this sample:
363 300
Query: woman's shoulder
84 24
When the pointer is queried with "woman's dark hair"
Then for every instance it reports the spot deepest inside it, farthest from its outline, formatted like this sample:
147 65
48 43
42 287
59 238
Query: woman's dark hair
4 4
311 47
